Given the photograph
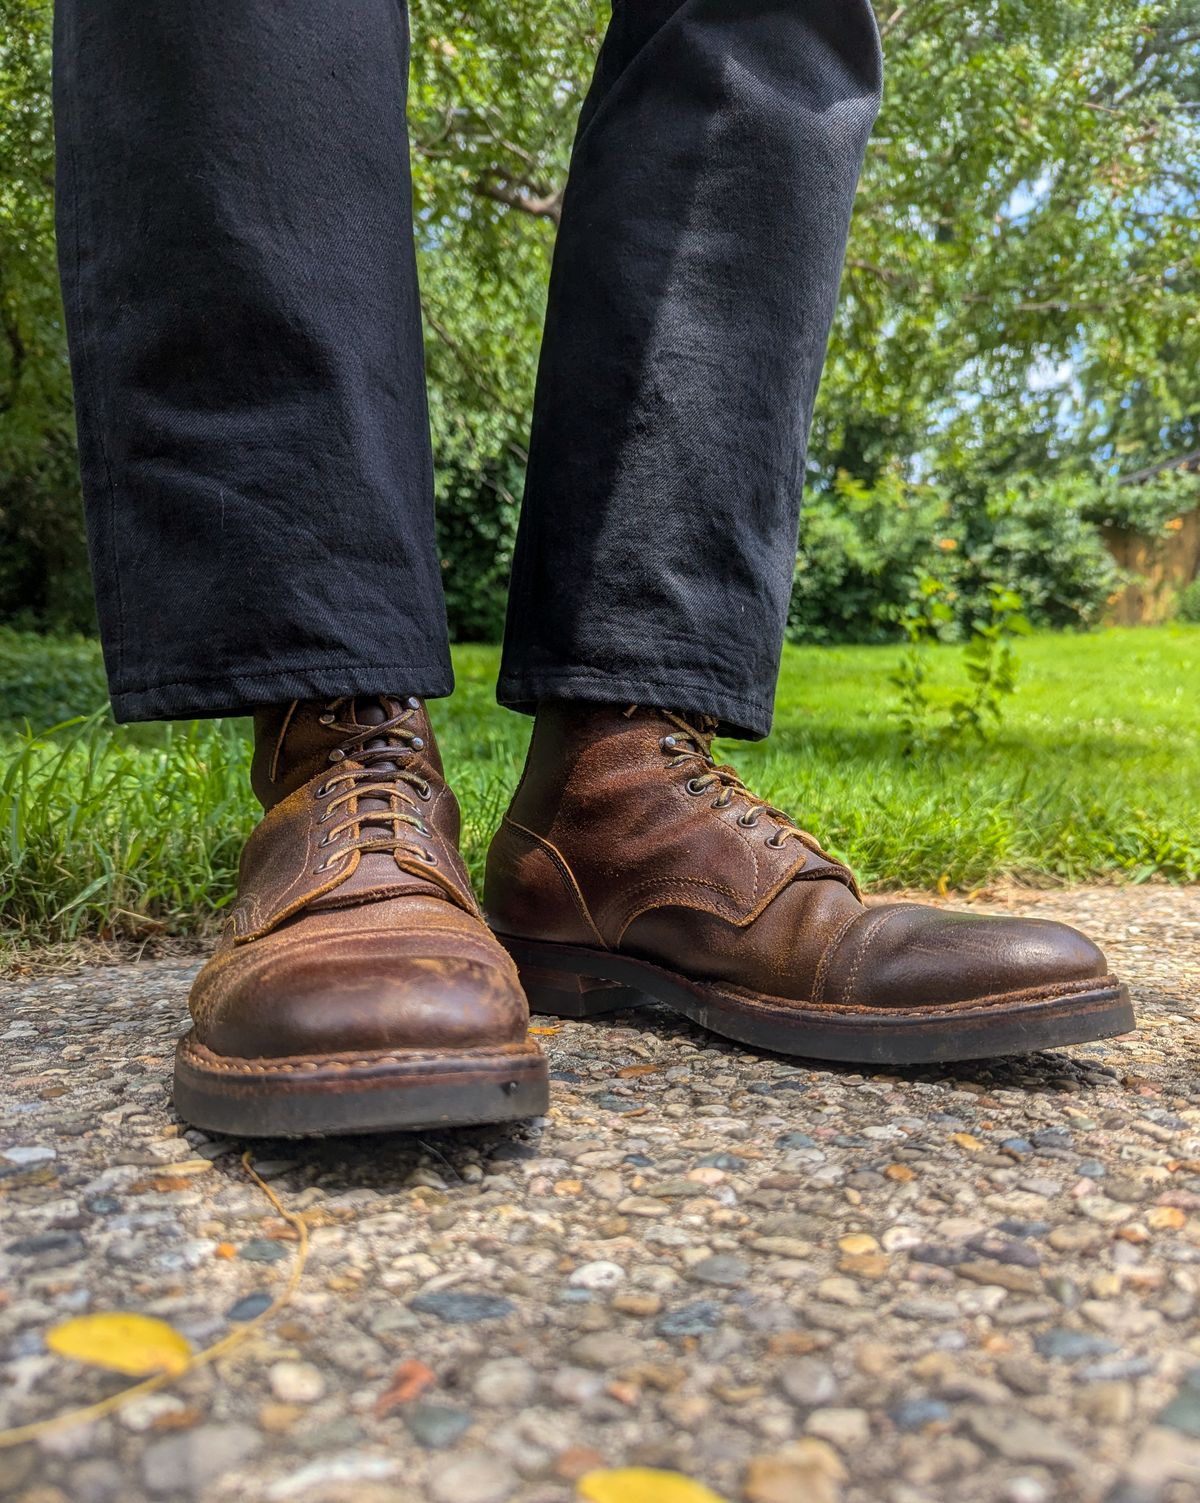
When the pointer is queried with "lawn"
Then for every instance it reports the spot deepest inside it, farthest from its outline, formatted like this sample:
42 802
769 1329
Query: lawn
1094 774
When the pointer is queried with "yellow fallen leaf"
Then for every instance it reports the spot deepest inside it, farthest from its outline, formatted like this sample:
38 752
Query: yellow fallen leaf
640 1484
122 1342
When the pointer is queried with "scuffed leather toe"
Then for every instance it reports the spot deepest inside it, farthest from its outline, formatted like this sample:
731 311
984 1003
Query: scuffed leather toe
909 955
330 985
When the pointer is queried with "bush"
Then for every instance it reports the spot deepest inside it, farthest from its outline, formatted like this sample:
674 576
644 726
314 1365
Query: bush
861 549
46 680
1038 538
1187 607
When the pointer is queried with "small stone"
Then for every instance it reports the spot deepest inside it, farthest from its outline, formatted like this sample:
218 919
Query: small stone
641 1305
858 1243
1183 1412
1107 1403
144 1413
296 1382
477 1477
505 1381
459 1308
1002 1276
808 1381
606 1349
722 1269
915 1414
435 1426
345 1476
1072 1345
185 1463
600 1275
809 1470
690 1320
1166 1218
262 1250
249 1306
30 1154
1021 1437
845 1428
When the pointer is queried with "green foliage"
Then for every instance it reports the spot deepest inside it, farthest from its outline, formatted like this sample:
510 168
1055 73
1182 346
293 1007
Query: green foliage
47 679
1188 605
861 547
1020 301
126 831
925 718
43 567
1035 535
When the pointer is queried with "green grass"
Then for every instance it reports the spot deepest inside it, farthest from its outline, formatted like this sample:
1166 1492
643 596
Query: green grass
1095 774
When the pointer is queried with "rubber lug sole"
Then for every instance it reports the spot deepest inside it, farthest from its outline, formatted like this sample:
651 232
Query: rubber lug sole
575 982
370 1092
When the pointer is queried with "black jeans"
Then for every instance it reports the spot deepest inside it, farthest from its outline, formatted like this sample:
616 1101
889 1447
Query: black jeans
236 253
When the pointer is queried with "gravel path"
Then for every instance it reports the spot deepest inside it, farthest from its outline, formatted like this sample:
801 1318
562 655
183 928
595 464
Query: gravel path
796 1285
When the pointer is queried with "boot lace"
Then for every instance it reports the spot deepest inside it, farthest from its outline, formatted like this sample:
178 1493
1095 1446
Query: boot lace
378 799
692 746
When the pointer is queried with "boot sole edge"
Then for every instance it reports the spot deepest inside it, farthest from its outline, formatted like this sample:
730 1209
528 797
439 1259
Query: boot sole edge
379 1091
573 981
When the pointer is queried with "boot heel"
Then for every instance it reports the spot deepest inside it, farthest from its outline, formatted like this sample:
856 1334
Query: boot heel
565 995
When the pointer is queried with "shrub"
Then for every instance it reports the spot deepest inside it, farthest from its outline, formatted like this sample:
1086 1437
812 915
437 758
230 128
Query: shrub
1038 537
861 548
1187 607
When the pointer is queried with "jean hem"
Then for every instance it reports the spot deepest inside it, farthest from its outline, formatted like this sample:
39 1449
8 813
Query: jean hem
243 693
739 717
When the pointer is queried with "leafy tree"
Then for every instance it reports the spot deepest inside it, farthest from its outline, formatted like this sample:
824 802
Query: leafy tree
1020 306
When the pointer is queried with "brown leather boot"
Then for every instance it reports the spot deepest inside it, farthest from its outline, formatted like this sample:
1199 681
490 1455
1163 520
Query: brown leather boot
629 863
357 988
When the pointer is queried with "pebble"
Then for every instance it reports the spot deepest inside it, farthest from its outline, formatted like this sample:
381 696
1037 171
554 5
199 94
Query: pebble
194 1459
844 1428
506 1381
461 1308
1072 1345
436 1426
690 1320
722 1269
599 1275
477 1477
808 1381
249 1306
296 1382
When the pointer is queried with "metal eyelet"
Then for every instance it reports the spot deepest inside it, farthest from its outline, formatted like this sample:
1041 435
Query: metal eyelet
337 755
428 857
413 702
748 820
775 844
324 840
326 719
417 744
668 743
695 787
425 793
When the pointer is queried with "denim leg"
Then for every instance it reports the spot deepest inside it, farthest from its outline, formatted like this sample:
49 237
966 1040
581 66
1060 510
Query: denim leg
235 240
694 283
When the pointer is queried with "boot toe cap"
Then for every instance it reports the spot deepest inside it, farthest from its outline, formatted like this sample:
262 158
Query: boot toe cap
909 955
293 995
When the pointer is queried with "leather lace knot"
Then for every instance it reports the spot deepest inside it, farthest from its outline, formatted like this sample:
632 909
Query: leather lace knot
380 797
693 746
